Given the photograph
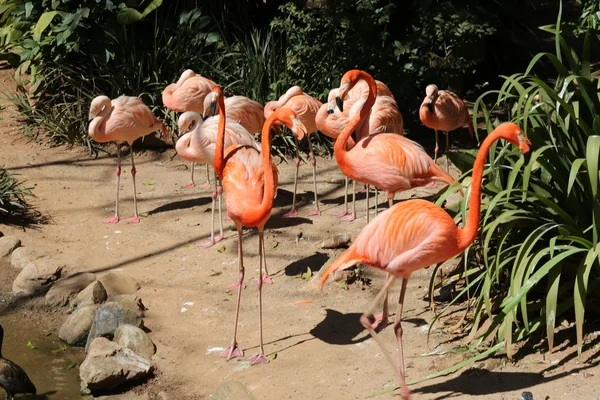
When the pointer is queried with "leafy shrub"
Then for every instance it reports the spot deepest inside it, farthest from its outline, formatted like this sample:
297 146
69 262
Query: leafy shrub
539 242
12 195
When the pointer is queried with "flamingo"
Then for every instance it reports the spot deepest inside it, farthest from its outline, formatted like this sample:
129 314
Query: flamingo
414 234
13 379
250 181
442 110
188 95
198 144
306 108
241 109
123 119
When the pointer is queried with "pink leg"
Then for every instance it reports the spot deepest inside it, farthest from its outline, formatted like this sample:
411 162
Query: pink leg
214 239
345 211
207 184
234 350
136 218
382 320
313 162
437 146
115 219
352 217
260 358
265 278
192 183
293 212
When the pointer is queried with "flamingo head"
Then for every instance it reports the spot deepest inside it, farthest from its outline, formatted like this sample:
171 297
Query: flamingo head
216 99
348 81
98 105
188 121
512 133
431 91
289 118
187 74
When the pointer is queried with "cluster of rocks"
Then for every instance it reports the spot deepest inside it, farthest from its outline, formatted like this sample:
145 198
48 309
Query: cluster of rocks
105 316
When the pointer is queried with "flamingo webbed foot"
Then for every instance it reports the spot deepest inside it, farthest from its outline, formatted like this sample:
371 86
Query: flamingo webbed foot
259 358
232 351
340 214
267 279
236 286
133 220
227 218
211 242
381 321
111 220
205 186
190 185
291 213
349 217
314 212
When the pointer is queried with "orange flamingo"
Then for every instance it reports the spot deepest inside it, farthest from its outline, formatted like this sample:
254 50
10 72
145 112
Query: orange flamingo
246 112
250 181
414 234
123 119
188 95
306 108
198 145
442 110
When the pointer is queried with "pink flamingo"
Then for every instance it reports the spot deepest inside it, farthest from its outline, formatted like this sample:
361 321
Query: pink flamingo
250 181
306 108
198 145
386 161
442 110
414 234
246 112
123 119
188 95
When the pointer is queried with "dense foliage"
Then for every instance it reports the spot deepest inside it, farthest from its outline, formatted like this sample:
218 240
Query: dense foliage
12 196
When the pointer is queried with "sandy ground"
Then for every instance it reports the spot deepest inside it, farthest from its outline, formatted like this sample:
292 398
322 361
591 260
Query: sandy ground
320 350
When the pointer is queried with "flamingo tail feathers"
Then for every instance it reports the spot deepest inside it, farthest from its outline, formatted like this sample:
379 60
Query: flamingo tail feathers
438 174
346 260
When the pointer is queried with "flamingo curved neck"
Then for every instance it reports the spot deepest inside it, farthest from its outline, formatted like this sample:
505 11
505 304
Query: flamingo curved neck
98 125
340 148
467 234
266 203
219 162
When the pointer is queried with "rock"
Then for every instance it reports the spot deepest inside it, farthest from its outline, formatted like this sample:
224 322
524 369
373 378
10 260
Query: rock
8 244
336 241
108 318
25 255
135 339
76 328
36 278
116 284
63 291
109 365
232 390
94 293
126 396
131 302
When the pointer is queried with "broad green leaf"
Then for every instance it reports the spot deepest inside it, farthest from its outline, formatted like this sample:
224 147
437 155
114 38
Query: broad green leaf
580 293
592 155
551 298
43 23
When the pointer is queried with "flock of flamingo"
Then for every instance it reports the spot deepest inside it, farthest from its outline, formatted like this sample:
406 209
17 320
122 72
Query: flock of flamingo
216 130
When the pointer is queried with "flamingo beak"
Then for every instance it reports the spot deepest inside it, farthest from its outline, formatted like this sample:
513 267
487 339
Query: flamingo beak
430 104
213 104
299 128
524 144
342 92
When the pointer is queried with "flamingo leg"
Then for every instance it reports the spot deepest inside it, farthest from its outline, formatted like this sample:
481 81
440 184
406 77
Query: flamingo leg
376 201
390 199
136 218
365 321
447 149
368 189
437 147
266 277
220 196
215 194
234 350
345 212
398 325
293 212
115 219
313 161
260 358
352 216
382 320
192 183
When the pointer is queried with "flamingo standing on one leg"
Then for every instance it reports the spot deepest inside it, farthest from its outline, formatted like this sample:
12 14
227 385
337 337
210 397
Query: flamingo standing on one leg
243 110
198 145
306 107
188 95
250 181
414 234
123 119
442 110
386 161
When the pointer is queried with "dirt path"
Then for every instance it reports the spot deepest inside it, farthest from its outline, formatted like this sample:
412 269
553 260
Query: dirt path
321 350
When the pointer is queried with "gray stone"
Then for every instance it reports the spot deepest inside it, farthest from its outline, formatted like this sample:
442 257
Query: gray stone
108 318
232 390
135 339
8 244
36 278
76 328
116 284
26 255
65 290
131 302
109 365
94 293
336 241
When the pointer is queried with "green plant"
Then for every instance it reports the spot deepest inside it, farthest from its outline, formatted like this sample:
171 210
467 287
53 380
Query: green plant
538 255
12 194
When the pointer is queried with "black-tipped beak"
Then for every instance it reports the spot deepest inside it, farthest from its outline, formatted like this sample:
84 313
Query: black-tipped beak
339 103
430 106
213 107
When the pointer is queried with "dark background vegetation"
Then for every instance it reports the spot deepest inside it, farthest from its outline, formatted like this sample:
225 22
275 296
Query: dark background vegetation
536 260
